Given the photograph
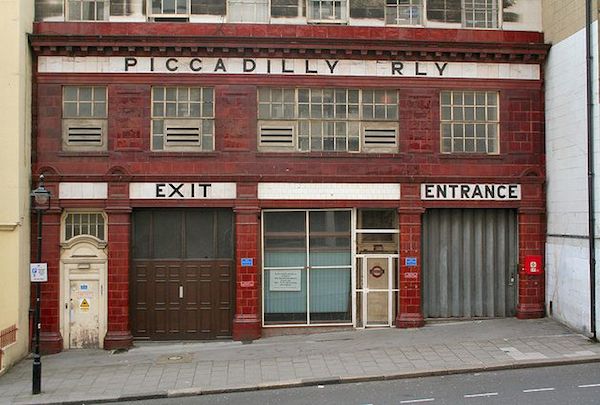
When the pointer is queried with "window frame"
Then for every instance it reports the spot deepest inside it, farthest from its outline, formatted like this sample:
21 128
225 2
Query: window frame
181 119
421 10
92 121
344 12
486 123
303 143
105 7
98 212
255 3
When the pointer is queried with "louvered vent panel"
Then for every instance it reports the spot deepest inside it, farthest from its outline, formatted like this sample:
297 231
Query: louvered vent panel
85 135
380 137
277 136
183 133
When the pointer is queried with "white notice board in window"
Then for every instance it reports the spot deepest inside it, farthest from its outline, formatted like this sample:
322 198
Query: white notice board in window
285 280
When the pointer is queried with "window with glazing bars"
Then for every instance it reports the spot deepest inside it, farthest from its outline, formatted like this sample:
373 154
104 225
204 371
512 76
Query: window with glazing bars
403 12
327 119
170 7
248 10
84 223
87 10
327 10
84 102
481 13
469 122
182 118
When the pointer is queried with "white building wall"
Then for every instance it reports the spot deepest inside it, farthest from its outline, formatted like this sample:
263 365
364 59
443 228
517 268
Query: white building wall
567 268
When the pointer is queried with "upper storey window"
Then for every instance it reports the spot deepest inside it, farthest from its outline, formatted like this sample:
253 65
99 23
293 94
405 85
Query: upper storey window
84 118
403 12
87 10
327 10
471 13
182 119
336 120
469 121
484 14
248 10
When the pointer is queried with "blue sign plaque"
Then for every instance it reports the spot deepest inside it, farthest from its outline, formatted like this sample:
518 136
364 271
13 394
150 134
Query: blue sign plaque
410 261
247 262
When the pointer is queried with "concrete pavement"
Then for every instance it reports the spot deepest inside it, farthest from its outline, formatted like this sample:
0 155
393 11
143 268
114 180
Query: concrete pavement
176 369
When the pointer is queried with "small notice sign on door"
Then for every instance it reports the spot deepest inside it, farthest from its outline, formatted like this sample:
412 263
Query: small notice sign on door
38 272
84 305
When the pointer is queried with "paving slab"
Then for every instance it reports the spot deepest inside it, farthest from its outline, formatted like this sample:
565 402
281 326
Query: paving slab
159 369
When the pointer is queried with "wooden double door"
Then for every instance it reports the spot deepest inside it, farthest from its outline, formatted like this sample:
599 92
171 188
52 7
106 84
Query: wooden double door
182 274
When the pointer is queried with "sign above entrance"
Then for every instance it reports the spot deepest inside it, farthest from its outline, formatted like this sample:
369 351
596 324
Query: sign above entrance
485 192
280 66
182 191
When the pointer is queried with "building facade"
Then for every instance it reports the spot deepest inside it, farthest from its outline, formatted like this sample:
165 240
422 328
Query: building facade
15 129
567 247
229 169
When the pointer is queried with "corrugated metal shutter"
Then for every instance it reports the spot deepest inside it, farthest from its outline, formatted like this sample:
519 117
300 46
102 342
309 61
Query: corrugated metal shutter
469 258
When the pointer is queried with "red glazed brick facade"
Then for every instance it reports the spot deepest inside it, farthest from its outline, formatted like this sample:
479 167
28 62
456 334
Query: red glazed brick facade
236 157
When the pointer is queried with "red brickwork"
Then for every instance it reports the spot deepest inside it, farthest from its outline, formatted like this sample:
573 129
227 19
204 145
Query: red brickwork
247 321
410 314
236 158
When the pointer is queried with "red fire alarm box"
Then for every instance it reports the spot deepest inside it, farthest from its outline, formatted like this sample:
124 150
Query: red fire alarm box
533 265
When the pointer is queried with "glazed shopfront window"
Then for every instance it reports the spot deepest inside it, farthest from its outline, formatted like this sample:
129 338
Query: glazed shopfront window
307 267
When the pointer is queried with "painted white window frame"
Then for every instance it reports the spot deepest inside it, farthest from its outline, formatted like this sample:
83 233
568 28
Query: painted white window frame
452 122
182 118
360 121
105 6
344 12
396 8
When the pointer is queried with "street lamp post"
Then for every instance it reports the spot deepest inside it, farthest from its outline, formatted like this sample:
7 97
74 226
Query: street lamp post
41 202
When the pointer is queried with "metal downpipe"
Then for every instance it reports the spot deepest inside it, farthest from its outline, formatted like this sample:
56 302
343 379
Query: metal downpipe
590 152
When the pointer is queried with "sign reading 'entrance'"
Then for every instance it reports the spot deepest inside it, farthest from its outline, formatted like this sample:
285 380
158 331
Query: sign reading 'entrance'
489 192
174 191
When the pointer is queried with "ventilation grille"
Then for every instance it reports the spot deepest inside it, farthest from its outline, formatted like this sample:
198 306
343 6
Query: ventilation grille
277 136
380 137
84 135
186 133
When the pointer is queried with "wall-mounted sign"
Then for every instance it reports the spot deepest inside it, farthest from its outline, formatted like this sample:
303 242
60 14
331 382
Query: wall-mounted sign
279 66
285 280
181 191
410 261
247 284
411 275
38 272
485 192
247 262
533 264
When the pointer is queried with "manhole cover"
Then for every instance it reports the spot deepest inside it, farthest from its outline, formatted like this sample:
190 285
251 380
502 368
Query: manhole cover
175 358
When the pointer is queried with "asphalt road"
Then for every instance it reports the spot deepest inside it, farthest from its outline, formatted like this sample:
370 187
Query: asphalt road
564 385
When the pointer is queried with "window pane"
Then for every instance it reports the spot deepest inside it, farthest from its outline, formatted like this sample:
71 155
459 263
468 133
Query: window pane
199 234
330 295
225 238
142 222
167 234
285 296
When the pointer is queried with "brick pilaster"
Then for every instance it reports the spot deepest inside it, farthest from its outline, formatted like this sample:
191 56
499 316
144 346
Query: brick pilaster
247 319
531 242
118 333
410 314
51 341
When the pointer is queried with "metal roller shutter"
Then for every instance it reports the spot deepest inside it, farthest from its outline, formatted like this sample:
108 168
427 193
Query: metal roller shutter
469 263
